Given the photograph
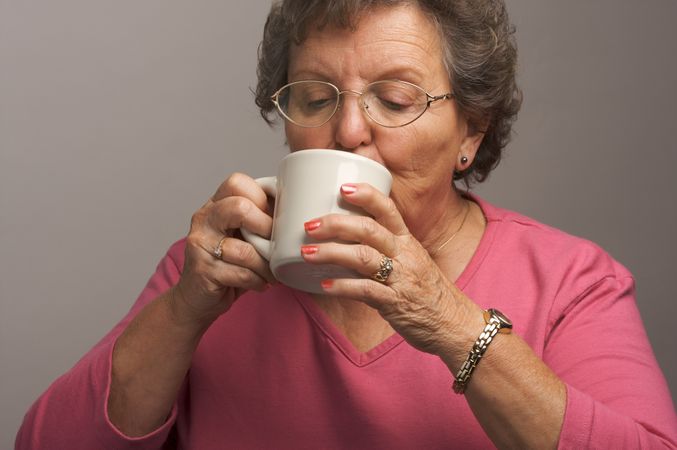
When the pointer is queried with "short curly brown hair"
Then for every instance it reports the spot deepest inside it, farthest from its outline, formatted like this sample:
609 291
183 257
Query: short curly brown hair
480 56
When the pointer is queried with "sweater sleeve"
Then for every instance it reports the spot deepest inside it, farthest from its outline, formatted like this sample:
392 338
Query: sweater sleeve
617 396
72 412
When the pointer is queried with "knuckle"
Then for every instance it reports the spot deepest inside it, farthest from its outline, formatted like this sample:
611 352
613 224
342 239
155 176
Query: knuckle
369 227
234 179
363 255
244 277
369 290
391 208
229 185
244 253
193 240
198 218
242 205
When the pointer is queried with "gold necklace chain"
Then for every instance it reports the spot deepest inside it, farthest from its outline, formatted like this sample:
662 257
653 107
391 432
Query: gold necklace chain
451 238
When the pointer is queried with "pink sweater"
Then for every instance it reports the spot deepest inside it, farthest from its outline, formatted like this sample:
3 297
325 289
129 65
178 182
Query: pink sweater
274 372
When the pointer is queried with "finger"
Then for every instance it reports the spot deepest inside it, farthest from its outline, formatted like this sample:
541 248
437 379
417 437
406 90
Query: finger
239 253
373 201
241 185
360 229
362 259
239 212
214 273
370 292
234 276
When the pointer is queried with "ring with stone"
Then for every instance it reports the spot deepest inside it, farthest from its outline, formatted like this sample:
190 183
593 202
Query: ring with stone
218 251
385 269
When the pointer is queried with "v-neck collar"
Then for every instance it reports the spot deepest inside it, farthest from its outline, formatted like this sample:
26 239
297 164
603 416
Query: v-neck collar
360 359
342 343
486 241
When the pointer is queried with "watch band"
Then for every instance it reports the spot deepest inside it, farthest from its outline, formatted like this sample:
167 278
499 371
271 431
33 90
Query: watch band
496 322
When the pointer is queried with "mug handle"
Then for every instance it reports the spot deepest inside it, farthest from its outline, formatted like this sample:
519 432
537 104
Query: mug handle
262 245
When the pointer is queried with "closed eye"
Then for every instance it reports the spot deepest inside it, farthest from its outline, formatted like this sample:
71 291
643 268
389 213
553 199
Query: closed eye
395 105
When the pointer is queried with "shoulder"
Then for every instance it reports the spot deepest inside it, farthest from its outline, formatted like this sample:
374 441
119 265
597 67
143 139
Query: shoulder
527 240
540 274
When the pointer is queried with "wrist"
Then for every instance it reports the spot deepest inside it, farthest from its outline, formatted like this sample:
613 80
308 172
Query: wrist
184 315
467 324
462 320
495 323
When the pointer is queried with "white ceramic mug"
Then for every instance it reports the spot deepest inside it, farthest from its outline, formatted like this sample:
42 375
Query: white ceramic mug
307 186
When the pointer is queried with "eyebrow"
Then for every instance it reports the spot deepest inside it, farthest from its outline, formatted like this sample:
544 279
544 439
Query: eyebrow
408 73
403 73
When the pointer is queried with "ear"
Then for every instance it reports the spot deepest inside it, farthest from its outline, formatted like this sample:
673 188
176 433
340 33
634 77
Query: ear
469 145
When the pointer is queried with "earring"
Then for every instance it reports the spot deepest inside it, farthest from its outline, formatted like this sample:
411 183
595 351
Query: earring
464 160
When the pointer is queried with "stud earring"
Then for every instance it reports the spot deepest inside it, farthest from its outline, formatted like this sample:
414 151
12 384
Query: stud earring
464 160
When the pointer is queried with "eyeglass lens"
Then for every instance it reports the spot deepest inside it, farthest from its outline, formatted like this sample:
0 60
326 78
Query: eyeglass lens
389 103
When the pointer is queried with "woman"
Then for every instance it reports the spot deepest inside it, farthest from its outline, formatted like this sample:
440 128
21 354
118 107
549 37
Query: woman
216 354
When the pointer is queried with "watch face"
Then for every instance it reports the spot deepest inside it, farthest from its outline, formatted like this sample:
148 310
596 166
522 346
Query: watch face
505 322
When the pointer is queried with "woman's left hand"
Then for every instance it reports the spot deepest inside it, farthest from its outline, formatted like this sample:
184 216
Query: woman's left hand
418 301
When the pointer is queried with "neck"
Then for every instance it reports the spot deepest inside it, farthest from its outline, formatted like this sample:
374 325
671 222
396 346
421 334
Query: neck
445 227
457 230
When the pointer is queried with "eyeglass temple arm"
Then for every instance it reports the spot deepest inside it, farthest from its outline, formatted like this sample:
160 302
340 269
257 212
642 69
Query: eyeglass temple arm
434 98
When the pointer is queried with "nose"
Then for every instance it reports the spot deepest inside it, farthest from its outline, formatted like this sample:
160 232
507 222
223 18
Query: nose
352 127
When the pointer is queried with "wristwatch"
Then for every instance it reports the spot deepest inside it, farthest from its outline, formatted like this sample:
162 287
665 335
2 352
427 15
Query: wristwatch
496 322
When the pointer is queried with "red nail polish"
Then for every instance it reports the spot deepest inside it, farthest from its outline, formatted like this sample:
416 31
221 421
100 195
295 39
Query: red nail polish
312 225
309 249
348 188
326 284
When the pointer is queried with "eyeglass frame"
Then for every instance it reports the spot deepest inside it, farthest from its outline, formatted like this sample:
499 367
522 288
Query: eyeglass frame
430 99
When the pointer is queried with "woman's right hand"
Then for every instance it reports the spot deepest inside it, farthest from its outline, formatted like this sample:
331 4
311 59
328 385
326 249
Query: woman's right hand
209 285
153 354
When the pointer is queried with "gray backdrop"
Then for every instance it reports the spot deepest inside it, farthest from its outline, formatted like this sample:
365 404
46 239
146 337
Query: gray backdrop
119 119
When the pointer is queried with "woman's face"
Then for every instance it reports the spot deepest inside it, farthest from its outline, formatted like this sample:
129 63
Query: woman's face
389 43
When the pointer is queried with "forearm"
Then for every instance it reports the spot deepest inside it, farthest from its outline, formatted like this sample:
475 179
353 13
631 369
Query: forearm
614 396
516 398
149 364
521 403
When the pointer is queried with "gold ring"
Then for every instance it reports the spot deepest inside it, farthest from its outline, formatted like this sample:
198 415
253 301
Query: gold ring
218 251
385 269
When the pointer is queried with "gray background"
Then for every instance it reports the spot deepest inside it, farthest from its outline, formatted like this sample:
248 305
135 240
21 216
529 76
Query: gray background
119 119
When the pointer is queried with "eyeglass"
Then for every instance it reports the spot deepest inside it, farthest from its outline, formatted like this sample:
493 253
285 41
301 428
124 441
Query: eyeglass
389 103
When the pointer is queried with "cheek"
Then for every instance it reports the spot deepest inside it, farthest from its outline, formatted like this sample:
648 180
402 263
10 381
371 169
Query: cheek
438 146
293 137
416 152
397 147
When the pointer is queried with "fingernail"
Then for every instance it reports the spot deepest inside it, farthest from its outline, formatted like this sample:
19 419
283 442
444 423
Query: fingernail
312 225
309 249
326 284
348 188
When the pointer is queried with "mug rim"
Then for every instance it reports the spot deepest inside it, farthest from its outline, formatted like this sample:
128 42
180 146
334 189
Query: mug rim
342 153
